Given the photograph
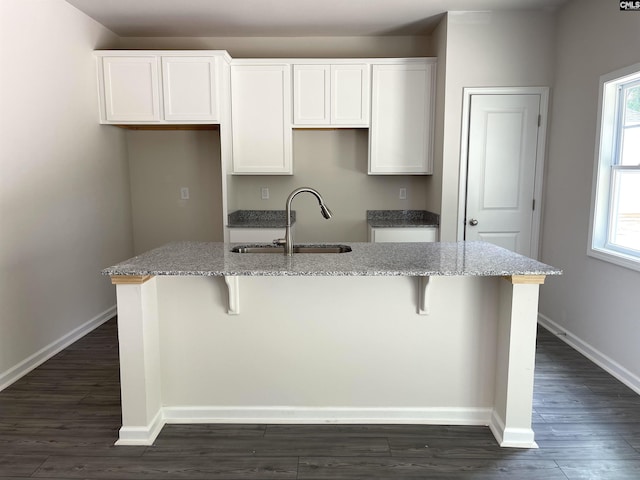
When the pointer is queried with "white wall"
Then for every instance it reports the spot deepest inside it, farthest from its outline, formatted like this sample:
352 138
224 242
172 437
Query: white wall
484 49
64 193
594 302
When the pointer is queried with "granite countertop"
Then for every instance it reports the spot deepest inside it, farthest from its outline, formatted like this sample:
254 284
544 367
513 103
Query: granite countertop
259 219
402 218
366 259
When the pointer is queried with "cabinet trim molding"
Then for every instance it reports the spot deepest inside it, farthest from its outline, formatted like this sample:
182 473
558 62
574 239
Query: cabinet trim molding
130 279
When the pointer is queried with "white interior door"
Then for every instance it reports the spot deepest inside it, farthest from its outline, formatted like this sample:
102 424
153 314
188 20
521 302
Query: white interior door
502 154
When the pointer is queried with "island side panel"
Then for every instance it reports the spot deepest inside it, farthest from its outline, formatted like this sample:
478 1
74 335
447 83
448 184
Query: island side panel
517 329
328 349
138 337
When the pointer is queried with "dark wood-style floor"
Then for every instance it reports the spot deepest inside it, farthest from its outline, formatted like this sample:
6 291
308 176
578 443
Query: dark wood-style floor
61 420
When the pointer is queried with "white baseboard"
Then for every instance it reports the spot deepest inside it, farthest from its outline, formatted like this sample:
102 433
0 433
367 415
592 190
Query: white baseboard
511 437
142 435
21 369
506 437
146 435
320 415
611 366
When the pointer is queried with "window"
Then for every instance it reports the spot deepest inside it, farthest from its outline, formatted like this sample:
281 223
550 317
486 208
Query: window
615 232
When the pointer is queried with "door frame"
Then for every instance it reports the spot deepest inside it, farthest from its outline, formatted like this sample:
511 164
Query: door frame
540 155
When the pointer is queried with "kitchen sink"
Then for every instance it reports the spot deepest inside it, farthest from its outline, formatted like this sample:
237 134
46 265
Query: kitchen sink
296 249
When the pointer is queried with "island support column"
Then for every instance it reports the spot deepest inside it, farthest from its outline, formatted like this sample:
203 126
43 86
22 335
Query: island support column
517 328
138 337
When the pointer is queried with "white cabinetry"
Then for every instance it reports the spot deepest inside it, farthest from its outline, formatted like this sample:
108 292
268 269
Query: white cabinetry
151 87
328 94
403 234
255 235
190 88
131 89
402 111
261 118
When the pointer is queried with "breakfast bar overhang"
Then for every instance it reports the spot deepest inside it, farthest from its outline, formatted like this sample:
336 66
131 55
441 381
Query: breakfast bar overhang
416 333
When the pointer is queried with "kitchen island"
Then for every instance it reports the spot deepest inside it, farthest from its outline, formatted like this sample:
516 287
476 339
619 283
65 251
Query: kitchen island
432 333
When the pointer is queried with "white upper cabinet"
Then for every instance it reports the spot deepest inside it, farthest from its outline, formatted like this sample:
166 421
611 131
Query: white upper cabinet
131 89
261 118
262 100
331 94
350 95
311 94
138 87
190 88
402 117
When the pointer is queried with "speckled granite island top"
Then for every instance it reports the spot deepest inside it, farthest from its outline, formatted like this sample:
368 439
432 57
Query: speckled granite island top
366 259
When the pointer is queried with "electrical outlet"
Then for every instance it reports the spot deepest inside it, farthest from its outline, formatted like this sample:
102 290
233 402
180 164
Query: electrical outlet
264 193
403 194
184 193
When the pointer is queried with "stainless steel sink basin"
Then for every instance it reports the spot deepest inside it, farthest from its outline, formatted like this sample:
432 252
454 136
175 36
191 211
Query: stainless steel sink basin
296 249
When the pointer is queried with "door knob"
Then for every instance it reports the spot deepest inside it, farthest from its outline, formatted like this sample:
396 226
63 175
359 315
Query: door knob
473 222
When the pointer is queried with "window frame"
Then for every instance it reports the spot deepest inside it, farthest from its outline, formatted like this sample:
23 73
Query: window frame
606 168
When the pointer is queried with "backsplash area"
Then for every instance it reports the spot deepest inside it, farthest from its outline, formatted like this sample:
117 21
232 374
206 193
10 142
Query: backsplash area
334 162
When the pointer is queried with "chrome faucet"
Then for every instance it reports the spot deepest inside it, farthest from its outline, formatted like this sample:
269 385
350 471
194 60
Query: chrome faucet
288 238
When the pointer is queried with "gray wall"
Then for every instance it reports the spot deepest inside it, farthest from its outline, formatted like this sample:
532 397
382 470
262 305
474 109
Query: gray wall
64 183
434 182
292 47
484 49
335 163
595 302
161 163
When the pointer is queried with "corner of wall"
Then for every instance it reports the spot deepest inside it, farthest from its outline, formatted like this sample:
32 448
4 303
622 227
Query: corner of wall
68 196
592 353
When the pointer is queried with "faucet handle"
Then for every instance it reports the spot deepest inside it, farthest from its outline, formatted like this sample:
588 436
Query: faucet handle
280 242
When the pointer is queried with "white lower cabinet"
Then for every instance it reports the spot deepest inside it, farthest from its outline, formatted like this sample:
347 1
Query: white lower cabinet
261 119
255 235
403 234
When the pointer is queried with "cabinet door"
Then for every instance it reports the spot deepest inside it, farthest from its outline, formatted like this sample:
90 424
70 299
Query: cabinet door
261 119
311 94
190 88
400 140
418 234
350 95
131 89
256 235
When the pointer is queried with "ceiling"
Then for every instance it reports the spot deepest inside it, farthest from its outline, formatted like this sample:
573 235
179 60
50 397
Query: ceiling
284 18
